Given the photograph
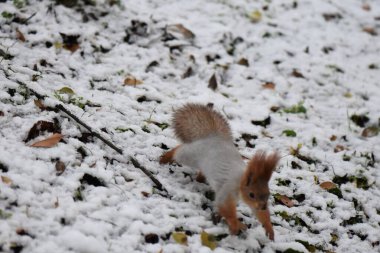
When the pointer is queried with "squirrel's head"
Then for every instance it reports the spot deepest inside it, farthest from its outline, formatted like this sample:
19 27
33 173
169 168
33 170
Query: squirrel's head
254 187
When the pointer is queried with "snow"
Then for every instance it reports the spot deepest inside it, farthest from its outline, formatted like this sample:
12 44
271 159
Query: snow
334 56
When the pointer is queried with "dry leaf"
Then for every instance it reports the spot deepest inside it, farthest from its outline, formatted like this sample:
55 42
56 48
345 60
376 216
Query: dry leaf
180 237
286 201
366 7
59 168
297 74
39 104
183 30
188 73
6 180
339 148
145 194
244 62
213 83
269 85
255 16
370 30
327 185
333 138
49 142
19 35
41 126
208 240
370 131
132 81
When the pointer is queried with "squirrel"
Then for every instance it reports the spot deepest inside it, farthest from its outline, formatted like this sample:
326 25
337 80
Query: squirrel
208 146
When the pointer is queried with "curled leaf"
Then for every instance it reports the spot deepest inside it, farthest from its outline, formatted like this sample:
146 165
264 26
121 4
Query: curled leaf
328 185
132 81
6 180
180 237
49 142
66 90
208 240
269 85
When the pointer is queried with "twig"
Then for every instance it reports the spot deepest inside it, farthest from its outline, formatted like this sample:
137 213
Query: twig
111 145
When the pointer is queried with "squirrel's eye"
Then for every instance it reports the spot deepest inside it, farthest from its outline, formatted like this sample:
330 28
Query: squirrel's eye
251 195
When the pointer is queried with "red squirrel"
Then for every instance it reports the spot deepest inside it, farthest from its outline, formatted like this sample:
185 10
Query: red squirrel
208 146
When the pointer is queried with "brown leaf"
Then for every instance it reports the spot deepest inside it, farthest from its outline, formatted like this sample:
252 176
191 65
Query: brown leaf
59 167
41 126
370 30
132 81
331 16
327 185
285 200
297 74
213 83
185 32
366 7
145 194
70 42
339 148
49 142
269 85
188 73
244 62
370 131
19 35
6 180
40 104
333 138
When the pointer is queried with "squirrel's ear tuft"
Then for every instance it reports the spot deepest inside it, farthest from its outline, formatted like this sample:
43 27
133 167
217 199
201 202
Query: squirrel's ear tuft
263 165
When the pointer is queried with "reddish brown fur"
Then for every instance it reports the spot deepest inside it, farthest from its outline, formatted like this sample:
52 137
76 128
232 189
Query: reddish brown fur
196 121
254 186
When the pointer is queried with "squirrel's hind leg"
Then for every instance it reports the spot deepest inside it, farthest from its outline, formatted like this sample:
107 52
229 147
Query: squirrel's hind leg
168 157
228 211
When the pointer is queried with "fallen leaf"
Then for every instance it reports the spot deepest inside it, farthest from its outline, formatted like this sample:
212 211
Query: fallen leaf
145 194
39 104
370 131
297 74
284 200
255 16
338 148
370 30
213 83
185 32
208 240
66 90
70 42
331 16
6 180
56 203
41 126
180 237
49 142
366 7
188 73
269 85
289 133
59 168
328 185
333 138
244 62
1 113
20 36
132 81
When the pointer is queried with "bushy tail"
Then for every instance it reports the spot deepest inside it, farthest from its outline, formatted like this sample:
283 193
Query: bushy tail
196 121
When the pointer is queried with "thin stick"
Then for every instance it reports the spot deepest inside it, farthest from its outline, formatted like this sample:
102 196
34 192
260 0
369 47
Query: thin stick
111 145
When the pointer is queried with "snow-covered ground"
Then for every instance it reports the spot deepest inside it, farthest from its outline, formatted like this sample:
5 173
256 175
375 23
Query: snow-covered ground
312 66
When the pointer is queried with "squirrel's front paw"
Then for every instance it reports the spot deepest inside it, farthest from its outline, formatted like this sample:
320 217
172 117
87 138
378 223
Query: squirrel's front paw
237 227
269 232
